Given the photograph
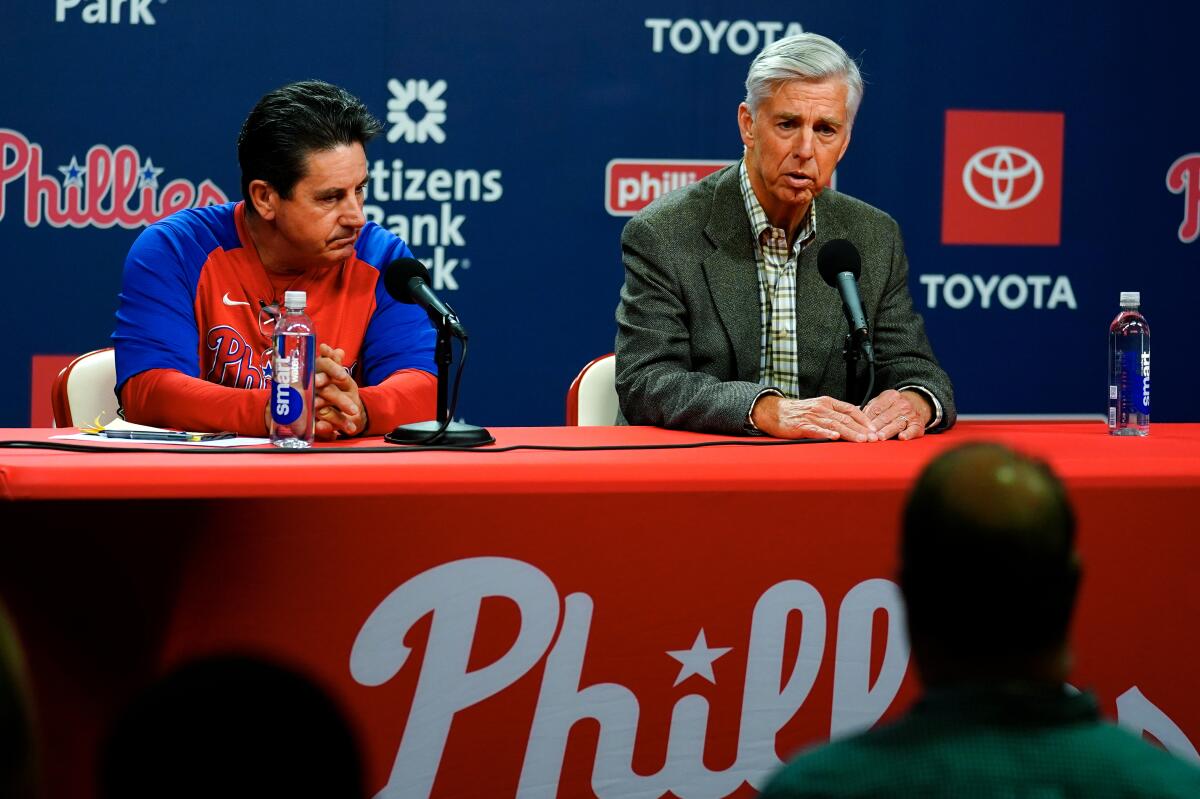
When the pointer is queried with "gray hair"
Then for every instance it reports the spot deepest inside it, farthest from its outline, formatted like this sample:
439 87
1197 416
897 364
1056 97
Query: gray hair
805 56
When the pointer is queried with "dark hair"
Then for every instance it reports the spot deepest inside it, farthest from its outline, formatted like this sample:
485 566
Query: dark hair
987 554
234 726
293 121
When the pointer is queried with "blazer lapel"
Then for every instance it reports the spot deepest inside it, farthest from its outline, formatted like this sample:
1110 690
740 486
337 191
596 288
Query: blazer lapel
732 274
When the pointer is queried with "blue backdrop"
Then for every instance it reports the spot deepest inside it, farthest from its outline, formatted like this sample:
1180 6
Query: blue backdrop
503 119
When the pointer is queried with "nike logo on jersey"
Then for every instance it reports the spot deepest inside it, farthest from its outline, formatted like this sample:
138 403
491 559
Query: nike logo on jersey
228 301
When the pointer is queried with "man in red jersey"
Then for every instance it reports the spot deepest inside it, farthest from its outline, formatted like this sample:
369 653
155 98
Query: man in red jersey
196 314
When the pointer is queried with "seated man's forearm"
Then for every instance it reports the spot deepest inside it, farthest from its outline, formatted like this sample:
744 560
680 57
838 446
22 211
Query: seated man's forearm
406 396
167 398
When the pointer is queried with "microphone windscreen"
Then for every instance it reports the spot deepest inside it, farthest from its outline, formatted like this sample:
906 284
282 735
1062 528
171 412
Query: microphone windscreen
837 256
397 275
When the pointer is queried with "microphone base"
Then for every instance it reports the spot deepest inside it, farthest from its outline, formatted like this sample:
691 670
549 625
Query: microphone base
456 434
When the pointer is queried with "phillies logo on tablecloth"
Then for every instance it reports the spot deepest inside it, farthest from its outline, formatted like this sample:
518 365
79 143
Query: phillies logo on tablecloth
779 668
1002 179
1184 178
630 184
776 683
109 187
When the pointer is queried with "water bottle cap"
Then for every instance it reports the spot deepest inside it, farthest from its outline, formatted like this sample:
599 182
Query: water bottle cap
1131 298
299 299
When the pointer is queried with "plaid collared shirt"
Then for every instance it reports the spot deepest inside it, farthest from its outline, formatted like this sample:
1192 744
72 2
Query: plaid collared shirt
776 289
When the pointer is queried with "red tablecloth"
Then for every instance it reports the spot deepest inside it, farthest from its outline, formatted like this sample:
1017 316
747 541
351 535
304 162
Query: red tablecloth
1080 451
502 597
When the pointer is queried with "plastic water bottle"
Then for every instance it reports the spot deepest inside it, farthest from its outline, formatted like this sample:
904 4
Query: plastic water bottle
1129 370
292 367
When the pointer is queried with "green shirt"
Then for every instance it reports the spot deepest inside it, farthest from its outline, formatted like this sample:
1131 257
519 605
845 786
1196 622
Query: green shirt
1016 742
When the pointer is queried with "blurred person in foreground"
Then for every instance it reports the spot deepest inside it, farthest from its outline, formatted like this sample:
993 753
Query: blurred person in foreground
726 326
202 288
232 727
18 750
989 575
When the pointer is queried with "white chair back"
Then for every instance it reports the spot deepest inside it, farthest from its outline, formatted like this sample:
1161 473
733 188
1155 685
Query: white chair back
85 390
596 393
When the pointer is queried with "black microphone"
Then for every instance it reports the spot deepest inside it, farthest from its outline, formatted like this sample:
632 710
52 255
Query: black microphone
407 280
840 265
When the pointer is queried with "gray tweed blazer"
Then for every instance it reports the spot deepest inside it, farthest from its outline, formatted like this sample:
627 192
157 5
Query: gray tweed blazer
689 323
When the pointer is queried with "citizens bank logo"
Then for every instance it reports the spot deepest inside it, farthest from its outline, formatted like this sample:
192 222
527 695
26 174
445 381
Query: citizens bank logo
108 11
1002 178
1184 178
739 36
630 184
420 202
110 187
425 102
994 175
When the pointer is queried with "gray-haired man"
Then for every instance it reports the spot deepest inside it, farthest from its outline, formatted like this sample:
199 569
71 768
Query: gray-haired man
725 325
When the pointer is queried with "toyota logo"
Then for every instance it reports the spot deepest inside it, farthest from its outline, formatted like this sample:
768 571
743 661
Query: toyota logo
1002 170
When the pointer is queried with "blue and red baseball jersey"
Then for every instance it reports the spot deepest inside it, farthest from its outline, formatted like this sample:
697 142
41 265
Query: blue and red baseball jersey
194 288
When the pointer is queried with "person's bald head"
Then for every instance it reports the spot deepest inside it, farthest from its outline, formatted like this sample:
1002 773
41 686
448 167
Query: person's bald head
987 556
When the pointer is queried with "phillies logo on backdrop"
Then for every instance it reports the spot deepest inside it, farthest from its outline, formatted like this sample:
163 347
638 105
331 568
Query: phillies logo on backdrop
630 184
1002 178
110 187
1184 178
578 715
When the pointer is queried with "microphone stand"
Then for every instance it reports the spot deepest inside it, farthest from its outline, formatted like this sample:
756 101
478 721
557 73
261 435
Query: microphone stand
442 431
850 355
852 349
443 353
